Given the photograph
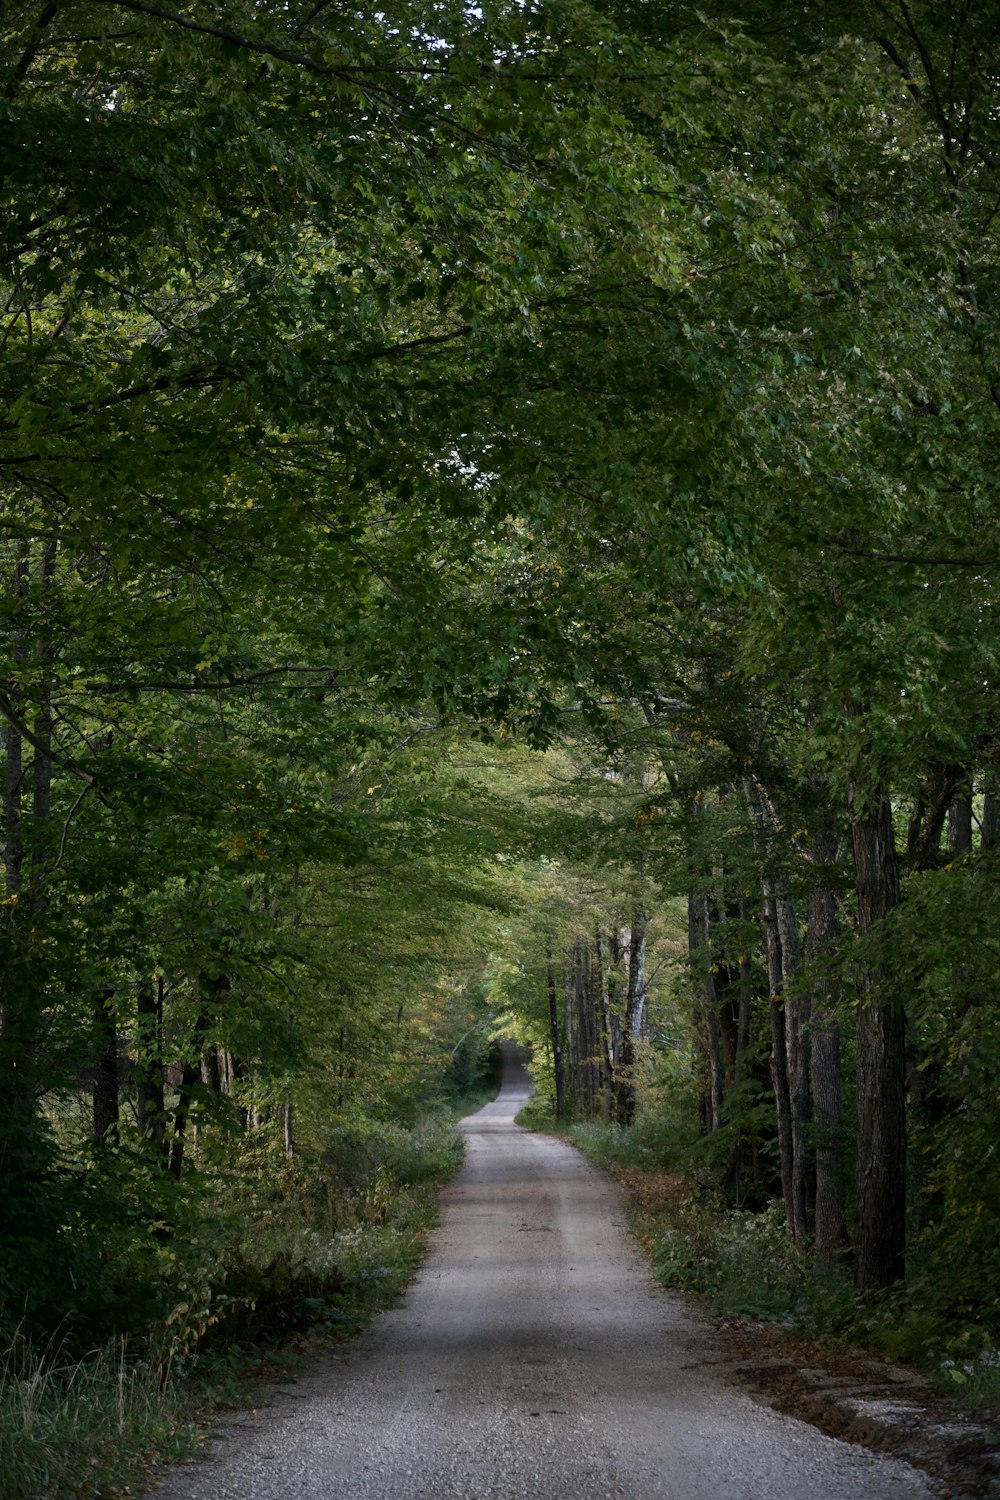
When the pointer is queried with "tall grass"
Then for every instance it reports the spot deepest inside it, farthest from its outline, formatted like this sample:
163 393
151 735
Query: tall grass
67 1426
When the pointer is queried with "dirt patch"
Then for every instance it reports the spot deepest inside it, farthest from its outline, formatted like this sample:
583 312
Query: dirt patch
884 1406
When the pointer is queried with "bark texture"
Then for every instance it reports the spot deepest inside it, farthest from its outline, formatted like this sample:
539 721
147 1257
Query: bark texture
828 1109
880 1183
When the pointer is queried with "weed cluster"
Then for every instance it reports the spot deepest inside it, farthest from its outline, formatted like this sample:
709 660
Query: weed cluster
742 1263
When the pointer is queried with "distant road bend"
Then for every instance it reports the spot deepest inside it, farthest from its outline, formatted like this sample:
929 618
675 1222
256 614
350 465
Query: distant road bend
534 1357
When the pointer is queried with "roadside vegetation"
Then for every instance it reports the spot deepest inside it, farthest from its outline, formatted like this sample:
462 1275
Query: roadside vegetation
269 1258
742 1263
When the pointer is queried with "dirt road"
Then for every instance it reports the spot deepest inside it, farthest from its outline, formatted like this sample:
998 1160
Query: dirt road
534 1357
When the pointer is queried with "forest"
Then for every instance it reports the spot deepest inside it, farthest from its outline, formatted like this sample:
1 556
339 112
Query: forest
499 536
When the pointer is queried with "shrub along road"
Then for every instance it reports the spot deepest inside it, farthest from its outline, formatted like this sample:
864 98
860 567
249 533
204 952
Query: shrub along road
533 1356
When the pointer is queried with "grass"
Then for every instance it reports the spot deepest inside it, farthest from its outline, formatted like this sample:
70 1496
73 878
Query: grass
83 1427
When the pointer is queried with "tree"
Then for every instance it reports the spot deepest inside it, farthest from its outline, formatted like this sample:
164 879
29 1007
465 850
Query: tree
586 371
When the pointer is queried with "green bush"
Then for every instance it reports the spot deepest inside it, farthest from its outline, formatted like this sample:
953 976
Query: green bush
84 1252
650 1145
538 1113
740 1262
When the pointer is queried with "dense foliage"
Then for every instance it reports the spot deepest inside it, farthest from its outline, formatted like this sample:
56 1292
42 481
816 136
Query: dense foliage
608 377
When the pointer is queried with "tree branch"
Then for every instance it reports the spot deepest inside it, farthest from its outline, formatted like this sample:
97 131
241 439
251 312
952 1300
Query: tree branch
251 679
31 50
192 380
7 709
917 562
974 148
65 832
265 49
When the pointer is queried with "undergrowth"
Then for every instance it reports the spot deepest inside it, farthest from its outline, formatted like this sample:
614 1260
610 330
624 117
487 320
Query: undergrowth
276 1250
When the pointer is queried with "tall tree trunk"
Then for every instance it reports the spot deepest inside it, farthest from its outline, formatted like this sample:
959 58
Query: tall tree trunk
880 1185
990 828
597 1002
625 1080
190 1079
581 1091
789 1058
105 1085
14 798
960 821
341 1073
18 1011
591 999
611 1030
571 1034
288 1108
635 1020
13 804
797 1062
945 798
211 1071
717 1062
700 1015
150 1102
828 1110
927 818
740 1015
637 996
779 1052
707 1026
554 1037
41 807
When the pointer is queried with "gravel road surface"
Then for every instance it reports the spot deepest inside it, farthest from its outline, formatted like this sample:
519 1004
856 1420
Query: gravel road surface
534 1356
